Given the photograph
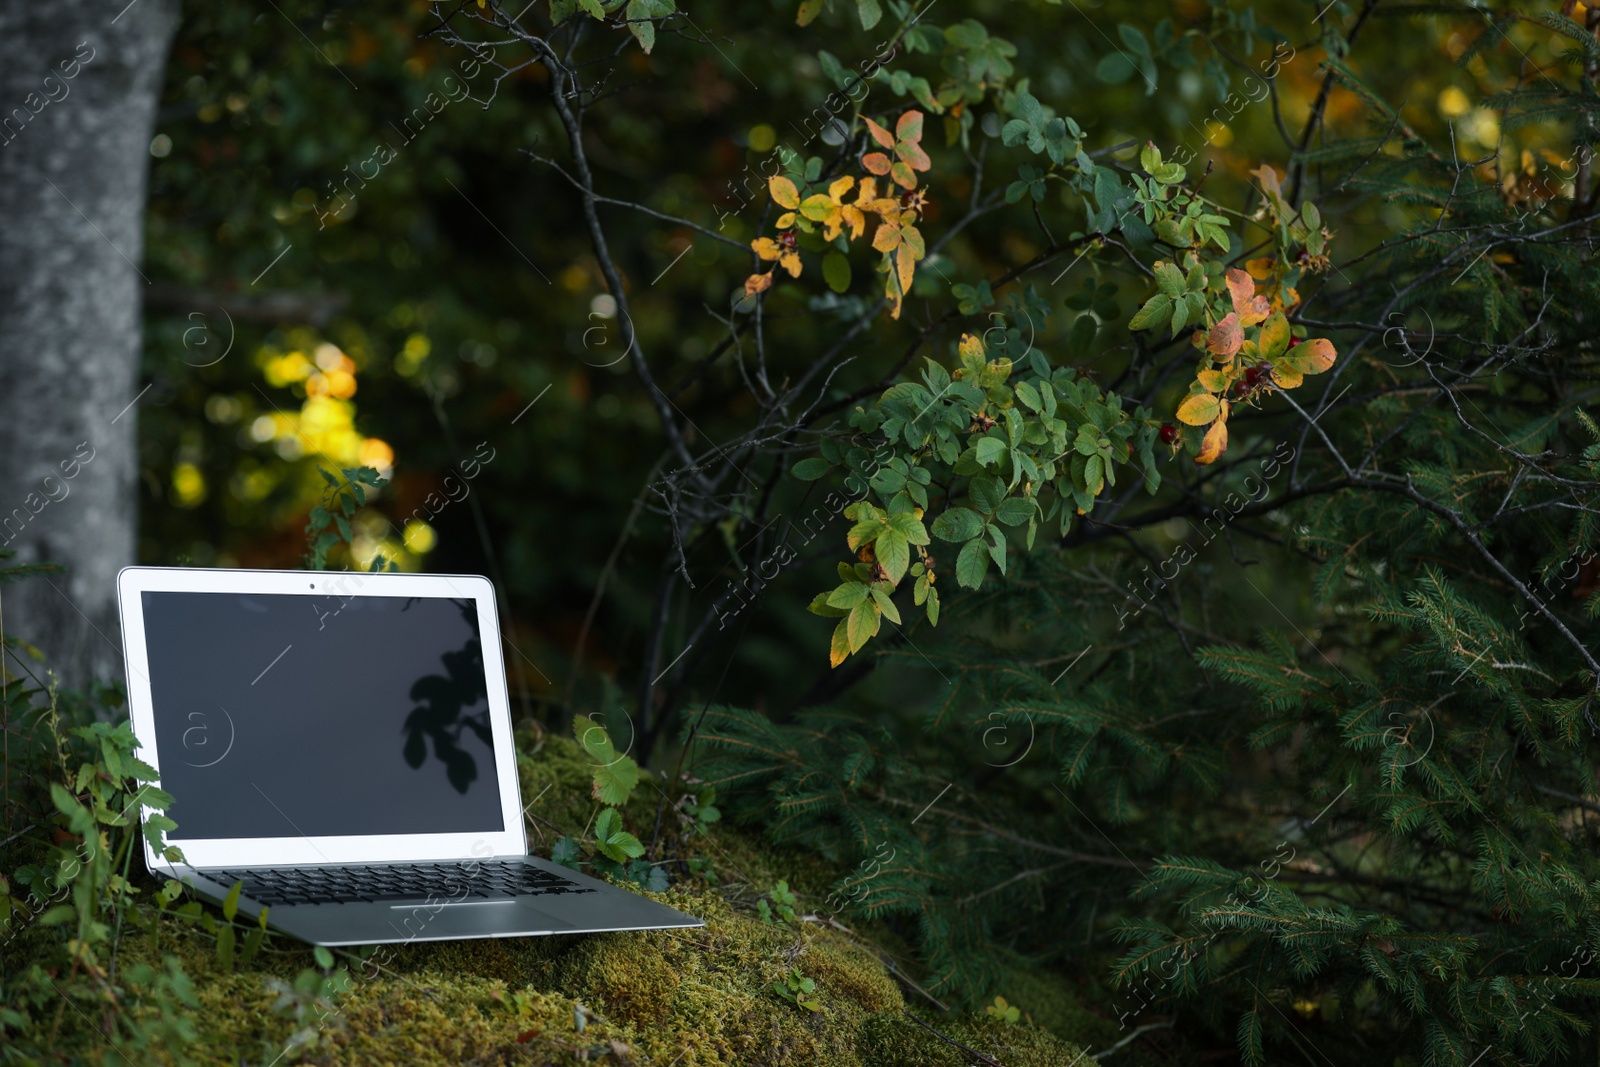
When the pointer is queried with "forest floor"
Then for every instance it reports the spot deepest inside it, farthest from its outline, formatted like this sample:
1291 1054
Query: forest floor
691 998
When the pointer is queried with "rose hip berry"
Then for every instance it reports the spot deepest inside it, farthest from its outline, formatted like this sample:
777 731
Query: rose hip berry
788 238
1169 433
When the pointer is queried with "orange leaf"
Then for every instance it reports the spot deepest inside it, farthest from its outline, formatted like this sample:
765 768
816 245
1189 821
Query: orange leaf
1315 356
783 191
909 128
1226 337
1214 444
1250 308
913 154
876 162
879 134
757 283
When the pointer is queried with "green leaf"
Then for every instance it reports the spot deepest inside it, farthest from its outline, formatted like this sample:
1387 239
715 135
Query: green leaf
957 524
1114 69
1274 340
972 564
230 903
862 623
323 957
870 13
615 782
989 450
819 606
1015 510
1155 311
986 494
809 470
894 554
908 525
1170 280
836 271
848 595
886 605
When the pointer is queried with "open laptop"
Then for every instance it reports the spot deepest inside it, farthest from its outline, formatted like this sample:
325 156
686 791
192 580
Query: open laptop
341 744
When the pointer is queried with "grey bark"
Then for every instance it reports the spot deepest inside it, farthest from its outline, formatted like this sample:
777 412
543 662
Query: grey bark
79 82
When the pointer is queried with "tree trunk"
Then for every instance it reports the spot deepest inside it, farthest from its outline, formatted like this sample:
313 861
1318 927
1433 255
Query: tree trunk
79 82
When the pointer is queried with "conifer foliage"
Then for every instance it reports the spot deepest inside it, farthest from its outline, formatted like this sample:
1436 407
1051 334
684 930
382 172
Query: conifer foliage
1302 749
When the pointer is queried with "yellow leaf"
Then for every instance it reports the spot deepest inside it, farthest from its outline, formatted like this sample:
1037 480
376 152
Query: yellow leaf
757 283
784 194
786 220
888 236
1287 376
840 187
905 262
1260 267
1199 409
1214 380
766 248
791 263
839 648
970 346
1214 444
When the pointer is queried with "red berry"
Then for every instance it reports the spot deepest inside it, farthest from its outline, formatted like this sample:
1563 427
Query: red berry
787 238
1293 341
1240 390
1169 433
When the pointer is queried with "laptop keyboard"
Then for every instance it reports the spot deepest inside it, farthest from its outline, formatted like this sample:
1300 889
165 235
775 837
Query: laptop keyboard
483 880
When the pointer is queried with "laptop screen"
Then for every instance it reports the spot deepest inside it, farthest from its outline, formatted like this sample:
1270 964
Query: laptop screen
290 715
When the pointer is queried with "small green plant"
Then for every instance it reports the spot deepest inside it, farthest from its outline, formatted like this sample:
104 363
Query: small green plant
1006 1013
781 906
701 810
615 774
798 990
311 1000
330 520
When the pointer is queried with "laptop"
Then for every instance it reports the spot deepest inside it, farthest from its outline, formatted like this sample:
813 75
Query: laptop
340 743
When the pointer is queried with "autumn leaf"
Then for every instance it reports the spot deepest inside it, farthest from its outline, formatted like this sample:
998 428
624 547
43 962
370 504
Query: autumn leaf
906 145
1214 443
1225 338
1314 356
902 245
1199 409
834 214
785 255
1250 308
757 283
784 194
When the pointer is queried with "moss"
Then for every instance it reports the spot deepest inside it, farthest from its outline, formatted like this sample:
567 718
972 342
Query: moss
692 998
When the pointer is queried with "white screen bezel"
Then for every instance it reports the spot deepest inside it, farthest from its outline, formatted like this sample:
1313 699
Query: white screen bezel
311 851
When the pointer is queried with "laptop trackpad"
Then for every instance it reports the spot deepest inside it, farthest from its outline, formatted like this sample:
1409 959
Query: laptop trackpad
477 918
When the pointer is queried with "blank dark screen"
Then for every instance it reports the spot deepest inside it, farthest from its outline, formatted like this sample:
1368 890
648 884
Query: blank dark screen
289 715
